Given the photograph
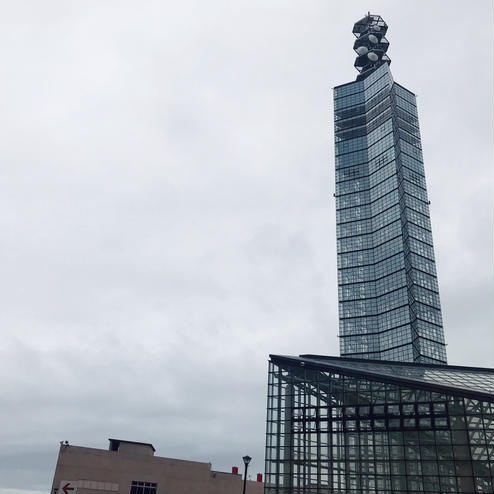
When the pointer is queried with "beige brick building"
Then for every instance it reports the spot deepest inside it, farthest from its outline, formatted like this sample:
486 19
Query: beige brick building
131 468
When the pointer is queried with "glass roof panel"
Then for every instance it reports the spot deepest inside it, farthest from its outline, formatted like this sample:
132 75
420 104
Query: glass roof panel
479 380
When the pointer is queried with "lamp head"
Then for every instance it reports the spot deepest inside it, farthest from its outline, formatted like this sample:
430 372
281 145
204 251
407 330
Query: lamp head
246 460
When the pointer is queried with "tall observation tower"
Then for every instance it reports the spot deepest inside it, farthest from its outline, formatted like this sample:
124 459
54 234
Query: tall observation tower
388 415
388 294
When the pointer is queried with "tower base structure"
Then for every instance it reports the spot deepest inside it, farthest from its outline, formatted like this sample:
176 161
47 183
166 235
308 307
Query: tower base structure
343 425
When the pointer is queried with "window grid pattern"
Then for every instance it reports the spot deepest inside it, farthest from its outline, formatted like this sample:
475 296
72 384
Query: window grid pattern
331 433
384 239
139 487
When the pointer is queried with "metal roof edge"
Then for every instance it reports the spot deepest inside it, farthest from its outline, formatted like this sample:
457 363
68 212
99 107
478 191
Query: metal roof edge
430 386
394 362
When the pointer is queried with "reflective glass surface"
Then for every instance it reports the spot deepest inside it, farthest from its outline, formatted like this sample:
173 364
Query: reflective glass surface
462 378
389 305
329 432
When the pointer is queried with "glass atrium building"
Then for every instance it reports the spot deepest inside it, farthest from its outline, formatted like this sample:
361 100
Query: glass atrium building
354 426
389 416
387 286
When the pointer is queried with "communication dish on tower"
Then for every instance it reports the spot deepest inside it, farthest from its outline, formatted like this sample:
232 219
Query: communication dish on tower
370 45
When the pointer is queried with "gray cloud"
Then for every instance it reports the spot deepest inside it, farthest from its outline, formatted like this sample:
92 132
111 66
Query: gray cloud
167 211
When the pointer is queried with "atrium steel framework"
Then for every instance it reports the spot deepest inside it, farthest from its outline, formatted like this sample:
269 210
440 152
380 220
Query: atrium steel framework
350 426
388 293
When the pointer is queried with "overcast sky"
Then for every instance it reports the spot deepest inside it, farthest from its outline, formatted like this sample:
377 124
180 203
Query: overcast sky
167 213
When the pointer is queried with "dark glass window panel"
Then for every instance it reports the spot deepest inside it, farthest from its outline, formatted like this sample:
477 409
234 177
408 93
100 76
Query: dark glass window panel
425 422
426 437
396 452
429 468
455 406
399 483
465 484
428 451
411 437
397 467
412 452
365 425
350 425
408 396
481 468
441 422
463 468
444 452
431 484
423 395
461 452
443 437
413 468
396 438
379 424
457 422
394 423
380 438
459 437
414 483
436 397
448 484
383 484
382 467
392 394
366 466
446 468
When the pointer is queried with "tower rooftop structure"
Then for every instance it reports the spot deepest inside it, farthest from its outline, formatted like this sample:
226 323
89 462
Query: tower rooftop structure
371 44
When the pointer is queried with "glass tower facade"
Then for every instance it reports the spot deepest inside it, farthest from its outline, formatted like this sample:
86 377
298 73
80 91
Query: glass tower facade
388 293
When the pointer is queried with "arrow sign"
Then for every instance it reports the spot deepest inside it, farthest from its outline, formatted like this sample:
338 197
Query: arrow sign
66 486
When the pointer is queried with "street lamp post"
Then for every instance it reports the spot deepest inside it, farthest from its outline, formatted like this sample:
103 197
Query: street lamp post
246 463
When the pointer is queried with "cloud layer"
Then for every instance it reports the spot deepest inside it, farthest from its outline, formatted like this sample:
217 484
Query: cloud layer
167 211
